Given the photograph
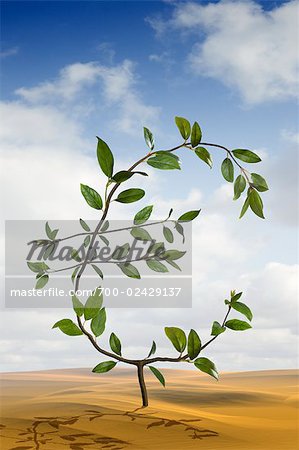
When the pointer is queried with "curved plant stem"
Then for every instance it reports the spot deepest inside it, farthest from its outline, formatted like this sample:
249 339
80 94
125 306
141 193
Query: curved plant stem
214 337
139 363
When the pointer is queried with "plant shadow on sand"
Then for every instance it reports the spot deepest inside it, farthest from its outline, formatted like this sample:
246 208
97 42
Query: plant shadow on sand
46 432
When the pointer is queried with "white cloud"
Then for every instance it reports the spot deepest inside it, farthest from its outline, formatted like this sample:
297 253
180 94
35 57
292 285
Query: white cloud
275 293
242 46
282 175
9 52
37 127
70 81
107 51
290 136
43 162
116 84
165 59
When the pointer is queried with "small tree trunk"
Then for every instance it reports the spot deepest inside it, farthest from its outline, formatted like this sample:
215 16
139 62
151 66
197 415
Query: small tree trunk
142 385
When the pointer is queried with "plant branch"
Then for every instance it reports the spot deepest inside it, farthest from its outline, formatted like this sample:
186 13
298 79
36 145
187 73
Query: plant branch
109 197
106 209
80 272
65 268
185 357
90 233
214 337
230 154
165 359
134 362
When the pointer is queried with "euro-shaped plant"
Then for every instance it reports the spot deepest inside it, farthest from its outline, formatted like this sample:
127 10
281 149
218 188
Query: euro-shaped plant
91 315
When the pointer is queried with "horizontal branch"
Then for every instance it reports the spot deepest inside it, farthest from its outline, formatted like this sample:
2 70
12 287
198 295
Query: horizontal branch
65 268
90 233
134 362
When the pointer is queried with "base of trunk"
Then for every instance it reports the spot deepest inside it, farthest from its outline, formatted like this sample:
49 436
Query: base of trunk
142 385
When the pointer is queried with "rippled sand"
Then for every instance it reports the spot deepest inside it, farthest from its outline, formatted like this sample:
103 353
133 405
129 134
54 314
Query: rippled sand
77 410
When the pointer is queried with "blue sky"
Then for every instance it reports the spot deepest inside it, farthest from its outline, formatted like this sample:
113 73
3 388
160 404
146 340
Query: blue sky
73 70
51 35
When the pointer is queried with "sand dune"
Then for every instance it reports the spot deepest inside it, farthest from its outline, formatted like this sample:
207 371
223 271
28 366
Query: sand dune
77 410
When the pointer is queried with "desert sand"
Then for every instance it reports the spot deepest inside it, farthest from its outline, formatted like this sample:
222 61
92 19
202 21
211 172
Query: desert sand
76 410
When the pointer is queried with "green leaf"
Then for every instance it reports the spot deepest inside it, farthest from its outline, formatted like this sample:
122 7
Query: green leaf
194 344
188 216
54 234
37 267
244 208
259 182
92 197
168 234
121 251
105 240
237 325
217 329
167 153
78 307
125 175
180 230
50 233
204 155
129 270
73 276
156 249
173 264
153 349
42 281
243 309
141 234
41 242
239 186
105 226
207 366
93 304
115 344
130 195
143 215
105 158
48 230
183 126
104 367
98 270
246 155
164 161
157 374
235 297
227 170
86 241
67 326
98 323
256 204
172 255
156 266
177 338
149 138
75 255
84 225
195 135
49 250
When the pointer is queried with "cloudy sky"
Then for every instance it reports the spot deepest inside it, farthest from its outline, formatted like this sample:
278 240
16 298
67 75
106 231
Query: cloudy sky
74 70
